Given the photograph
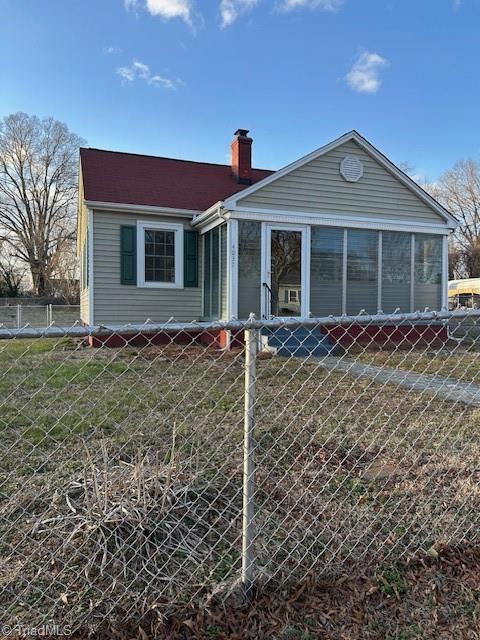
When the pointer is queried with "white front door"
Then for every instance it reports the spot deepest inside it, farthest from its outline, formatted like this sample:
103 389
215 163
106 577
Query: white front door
285 270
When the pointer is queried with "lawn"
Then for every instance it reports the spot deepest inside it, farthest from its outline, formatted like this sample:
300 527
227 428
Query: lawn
452 361
121 476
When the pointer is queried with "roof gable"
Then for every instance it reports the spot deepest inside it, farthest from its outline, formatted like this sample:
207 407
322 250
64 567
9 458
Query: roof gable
125 178
317 167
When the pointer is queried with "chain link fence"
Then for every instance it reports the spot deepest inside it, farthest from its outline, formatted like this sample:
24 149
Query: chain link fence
148 465
23 315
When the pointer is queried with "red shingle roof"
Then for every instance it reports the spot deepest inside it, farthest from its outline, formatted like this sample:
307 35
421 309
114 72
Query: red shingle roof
127 178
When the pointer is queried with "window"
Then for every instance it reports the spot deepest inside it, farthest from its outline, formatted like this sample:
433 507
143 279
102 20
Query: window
211 274
326 269
249 268
214 270
396 271
428 272
362 271
160 254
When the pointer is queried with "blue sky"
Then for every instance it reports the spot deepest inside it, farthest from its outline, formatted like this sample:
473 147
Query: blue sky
177 77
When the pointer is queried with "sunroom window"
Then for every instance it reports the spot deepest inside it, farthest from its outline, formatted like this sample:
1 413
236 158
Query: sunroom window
160 251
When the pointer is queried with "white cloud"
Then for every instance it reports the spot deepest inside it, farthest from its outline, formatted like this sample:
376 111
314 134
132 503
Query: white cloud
324 5
231 9
364 76
141 71
166 9
111 50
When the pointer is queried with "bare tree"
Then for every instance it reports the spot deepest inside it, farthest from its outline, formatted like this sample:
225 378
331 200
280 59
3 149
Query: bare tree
38 190
64 273
12 273
459 191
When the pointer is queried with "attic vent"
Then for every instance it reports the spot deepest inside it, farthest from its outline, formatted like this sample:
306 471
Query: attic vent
351 168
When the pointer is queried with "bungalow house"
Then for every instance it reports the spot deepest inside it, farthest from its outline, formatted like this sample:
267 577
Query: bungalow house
337 231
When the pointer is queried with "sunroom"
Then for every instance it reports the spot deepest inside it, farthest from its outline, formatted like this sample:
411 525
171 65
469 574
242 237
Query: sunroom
291 270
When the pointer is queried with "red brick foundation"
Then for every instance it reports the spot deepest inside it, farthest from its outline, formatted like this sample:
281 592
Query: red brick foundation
117 340
393 335
346 336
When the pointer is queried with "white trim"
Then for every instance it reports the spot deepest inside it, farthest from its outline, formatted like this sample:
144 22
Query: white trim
266 257
379 271
331 219
445 273
202 281
412 272
142 226
231 202
216 222
232 271
141 208
306 267
91 315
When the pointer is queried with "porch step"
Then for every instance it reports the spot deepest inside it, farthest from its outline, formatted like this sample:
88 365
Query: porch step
300 342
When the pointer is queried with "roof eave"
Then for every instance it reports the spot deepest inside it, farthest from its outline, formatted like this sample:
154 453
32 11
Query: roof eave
141 208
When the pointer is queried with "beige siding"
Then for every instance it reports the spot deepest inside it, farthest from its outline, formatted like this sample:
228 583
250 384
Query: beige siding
318 187
115 303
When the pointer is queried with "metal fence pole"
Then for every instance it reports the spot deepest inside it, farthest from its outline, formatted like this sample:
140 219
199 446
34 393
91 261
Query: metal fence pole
248 458
19 316
50 315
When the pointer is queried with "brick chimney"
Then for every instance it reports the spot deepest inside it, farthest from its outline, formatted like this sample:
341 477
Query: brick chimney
242 157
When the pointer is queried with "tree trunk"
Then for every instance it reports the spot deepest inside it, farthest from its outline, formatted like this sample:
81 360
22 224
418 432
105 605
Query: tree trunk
39 280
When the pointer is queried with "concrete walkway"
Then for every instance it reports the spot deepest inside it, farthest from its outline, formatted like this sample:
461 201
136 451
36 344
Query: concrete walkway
438 386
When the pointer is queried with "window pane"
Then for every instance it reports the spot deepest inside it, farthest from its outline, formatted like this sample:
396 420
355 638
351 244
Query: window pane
362 271
396 271
326 271
159 256
223 272
207 281
428 272
249 271
286 270
211 278
215 273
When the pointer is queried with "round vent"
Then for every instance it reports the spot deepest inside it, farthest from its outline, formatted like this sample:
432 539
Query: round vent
351 168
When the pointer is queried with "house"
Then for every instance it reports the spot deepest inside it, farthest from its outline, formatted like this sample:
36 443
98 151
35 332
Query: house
337 231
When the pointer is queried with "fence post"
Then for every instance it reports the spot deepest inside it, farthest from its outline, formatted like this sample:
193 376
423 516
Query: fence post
19 316
248 458
49 315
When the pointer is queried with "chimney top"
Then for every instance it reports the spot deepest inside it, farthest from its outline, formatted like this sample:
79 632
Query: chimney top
242 157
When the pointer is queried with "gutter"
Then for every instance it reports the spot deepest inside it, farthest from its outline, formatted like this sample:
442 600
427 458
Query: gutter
215 211
140 208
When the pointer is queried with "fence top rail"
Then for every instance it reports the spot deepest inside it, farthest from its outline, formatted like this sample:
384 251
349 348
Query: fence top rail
172 327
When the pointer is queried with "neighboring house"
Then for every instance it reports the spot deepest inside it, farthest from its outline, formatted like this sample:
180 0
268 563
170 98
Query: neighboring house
162 238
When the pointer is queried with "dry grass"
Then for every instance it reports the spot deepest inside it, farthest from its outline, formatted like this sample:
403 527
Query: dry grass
121 479
452 361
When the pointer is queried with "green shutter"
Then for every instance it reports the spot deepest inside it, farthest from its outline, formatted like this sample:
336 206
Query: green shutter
128 254
190 259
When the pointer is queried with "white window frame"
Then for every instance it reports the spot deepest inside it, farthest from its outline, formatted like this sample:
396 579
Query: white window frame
144 225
